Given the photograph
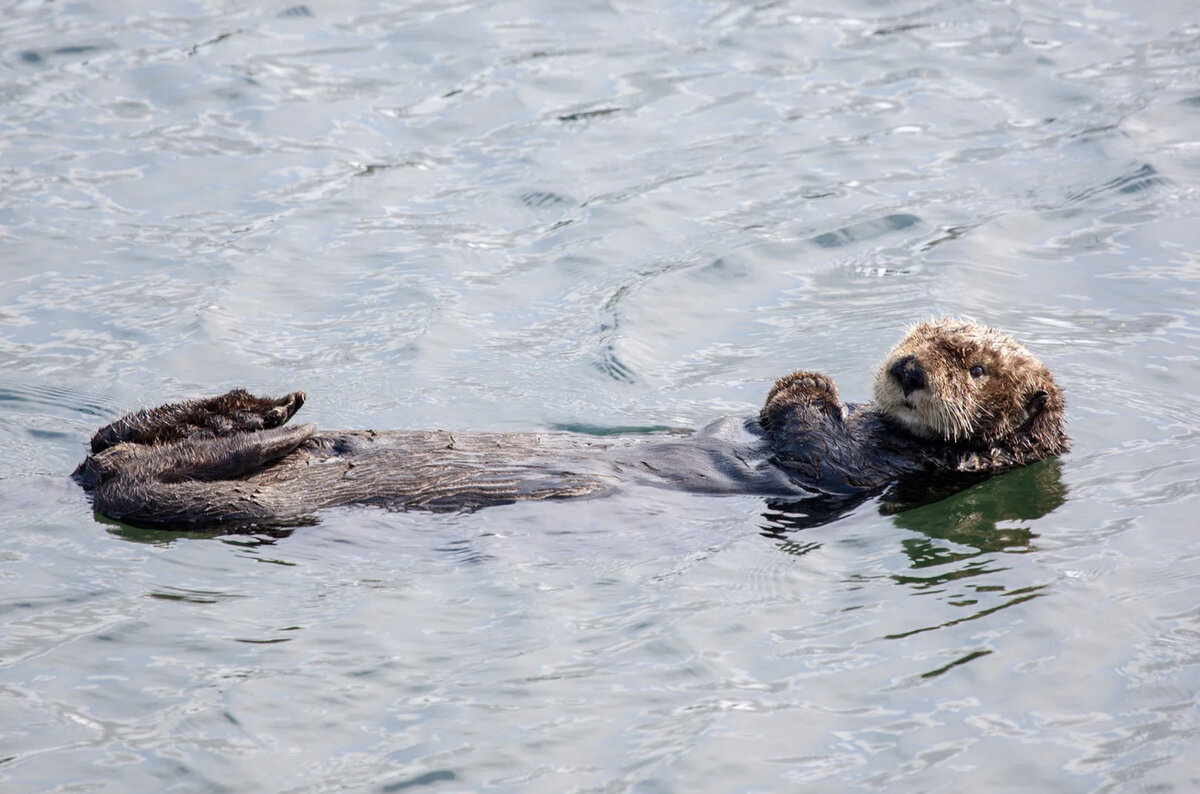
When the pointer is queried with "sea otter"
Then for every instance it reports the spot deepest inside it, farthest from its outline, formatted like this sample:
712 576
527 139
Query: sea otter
953 396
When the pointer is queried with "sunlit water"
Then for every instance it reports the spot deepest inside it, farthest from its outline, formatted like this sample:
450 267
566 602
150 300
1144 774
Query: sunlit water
485 215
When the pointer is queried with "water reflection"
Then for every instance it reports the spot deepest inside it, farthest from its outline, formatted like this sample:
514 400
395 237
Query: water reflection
248 536
958 516
956 526
972 517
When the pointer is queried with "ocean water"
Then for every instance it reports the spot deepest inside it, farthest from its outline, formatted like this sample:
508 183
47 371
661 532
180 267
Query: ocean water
526 216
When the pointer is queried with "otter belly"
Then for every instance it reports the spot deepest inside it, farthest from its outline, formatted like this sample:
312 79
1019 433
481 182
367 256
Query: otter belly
729 456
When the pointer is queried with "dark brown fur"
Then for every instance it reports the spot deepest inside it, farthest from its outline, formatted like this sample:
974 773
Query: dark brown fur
952 396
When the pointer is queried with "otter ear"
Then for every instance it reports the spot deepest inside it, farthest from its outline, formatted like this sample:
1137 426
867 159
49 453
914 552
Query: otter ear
1037 402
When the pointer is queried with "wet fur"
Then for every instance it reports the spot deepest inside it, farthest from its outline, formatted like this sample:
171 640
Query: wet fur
230 460
1011 414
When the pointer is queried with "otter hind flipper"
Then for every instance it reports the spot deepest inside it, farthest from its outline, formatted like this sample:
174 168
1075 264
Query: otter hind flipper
197 480
235 411
229 457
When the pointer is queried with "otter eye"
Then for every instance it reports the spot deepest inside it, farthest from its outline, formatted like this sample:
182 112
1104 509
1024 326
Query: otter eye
976 371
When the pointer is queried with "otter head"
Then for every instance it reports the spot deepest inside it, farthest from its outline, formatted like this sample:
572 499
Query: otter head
962 382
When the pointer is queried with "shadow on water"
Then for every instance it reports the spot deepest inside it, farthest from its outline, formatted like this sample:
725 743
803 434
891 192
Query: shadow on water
957 510
240 535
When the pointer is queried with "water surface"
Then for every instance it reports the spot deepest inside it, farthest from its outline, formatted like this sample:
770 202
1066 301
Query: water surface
515 216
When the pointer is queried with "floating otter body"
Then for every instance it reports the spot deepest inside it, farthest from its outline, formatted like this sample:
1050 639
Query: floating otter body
953 396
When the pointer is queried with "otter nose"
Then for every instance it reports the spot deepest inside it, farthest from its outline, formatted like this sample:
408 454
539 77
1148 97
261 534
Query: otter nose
908 373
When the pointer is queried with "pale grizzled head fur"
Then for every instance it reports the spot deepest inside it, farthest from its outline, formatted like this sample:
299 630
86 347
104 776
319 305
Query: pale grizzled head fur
963 382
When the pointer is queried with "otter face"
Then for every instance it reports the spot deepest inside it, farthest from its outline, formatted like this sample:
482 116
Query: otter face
964 382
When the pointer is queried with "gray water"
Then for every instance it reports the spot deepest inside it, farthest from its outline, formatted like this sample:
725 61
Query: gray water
523 216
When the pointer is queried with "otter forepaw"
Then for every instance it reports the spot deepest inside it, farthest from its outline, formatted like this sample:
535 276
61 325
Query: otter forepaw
800 391
805 386
816 384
